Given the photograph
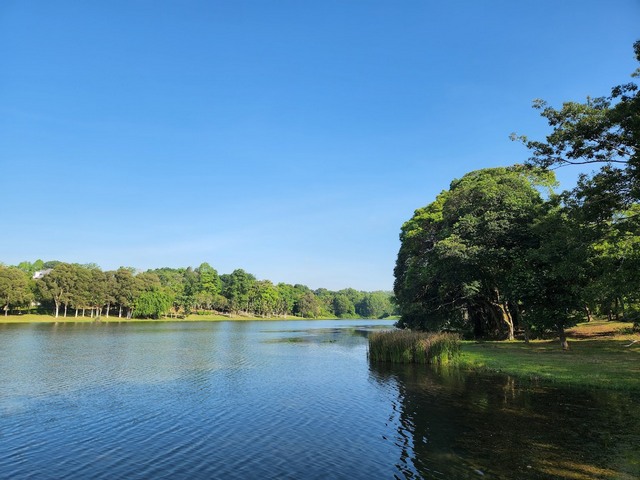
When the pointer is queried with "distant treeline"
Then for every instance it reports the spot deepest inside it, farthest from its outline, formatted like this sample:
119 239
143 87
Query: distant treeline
66 289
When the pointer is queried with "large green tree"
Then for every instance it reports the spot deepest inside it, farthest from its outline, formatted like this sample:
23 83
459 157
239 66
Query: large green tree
126 290
14 288
603 131
549 280
457 253
58 285
31 268
152 303
308 306
375 305
343 305
237 288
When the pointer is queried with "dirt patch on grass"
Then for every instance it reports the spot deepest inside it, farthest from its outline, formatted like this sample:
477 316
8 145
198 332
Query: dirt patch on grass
602 329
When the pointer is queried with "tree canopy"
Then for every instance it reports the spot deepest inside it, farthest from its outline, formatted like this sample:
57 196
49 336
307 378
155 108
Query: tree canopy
459 255
601 130
500 251
79 290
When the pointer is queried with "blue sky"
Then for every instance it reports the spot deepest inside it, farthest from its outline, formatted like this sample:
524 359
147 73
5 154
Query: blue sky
288 138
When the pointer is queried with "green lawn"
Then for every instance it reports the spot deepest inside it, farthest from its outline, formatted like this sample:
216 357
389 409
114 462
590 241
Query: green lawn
601 355
35 318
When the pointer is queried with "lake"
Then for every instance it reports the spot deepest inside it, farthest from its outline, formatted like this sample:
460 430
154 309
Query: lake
284 399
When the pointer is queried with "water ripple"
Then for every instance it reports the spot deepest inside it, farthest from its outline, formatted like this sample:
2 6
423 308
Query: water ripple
190 401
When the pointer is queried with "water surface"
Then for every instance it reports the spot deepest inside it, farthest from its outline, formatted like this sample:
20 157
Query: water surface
293 399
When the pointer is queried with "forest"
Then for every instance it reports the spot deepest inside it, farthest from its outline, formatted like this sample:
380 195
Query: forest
501 252
69 289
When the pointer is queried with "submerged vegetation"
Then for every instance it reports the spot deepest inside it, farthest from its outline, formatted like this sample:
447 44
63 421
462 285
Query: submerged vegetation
403 346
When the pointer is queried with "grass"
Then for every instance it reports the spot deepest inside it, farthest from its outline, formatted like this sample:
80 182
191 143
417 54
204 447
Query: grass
37 318
403 346
601 355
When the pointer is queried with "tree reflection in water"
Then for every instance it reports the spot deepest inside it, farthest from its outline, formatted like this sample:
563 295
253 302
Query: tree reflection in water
453 424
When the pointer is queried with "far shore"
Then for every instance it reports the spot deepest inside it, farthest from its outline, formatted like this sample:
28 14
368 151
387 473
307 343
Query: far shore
38 318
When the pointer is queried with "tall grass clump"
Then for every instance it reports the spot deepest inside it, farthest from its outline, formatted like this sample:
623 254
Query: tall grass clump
405 346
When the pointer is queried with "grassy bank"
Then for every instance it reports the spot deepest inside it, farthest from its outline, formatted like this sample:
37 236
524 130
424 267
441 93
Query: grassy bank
601 355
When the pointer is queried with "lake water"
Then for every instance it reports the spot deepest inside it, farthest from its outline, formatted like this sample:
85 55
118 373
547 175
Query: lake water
293 399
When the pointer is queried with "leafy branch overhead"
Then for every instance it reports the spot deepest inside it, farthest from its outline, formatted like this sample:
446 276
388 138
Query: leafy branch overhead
600 130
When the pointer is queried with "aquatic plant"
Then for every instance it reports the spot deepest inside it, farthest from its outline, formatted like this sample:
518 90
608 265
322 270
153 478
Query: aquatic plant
405 346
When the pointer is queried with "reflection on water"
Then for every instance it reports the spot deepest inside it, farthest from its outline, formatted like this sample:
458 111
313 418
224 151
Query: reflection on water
294 399
456 425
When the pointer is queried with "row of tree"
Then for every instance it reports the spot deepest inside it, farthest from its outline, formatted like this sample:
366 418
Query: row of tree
79 290
501 251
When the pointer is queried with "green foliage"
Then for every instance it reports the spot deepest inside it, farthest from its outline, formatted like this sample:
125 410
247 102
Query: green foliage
601 210
308 306
237 288
492 254
264 298
601 130
58 285
404 346
125 292
551 279
458 253
152 304
31 268
375 305
126 289
208 281
14 288
343 306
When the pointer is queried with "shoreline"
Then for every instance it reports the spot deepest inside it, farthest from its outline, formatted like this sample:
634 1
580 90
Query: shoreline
602 354
38 318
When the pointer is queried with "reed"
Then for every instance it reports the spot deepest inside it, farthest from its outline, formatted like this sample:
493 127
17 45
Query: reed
405 346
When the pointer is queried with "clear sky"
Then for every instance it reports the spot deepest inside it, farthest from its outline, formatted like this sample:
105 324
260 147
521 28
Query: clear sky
288 138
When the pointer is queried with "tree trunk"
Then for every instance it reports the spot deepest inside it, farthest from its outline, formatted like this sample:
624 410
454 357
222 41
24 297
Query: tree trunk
120 312
57 309
563 337
508 319
517 315
108 307
505 315
617 308
588 312
65 310
6 310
